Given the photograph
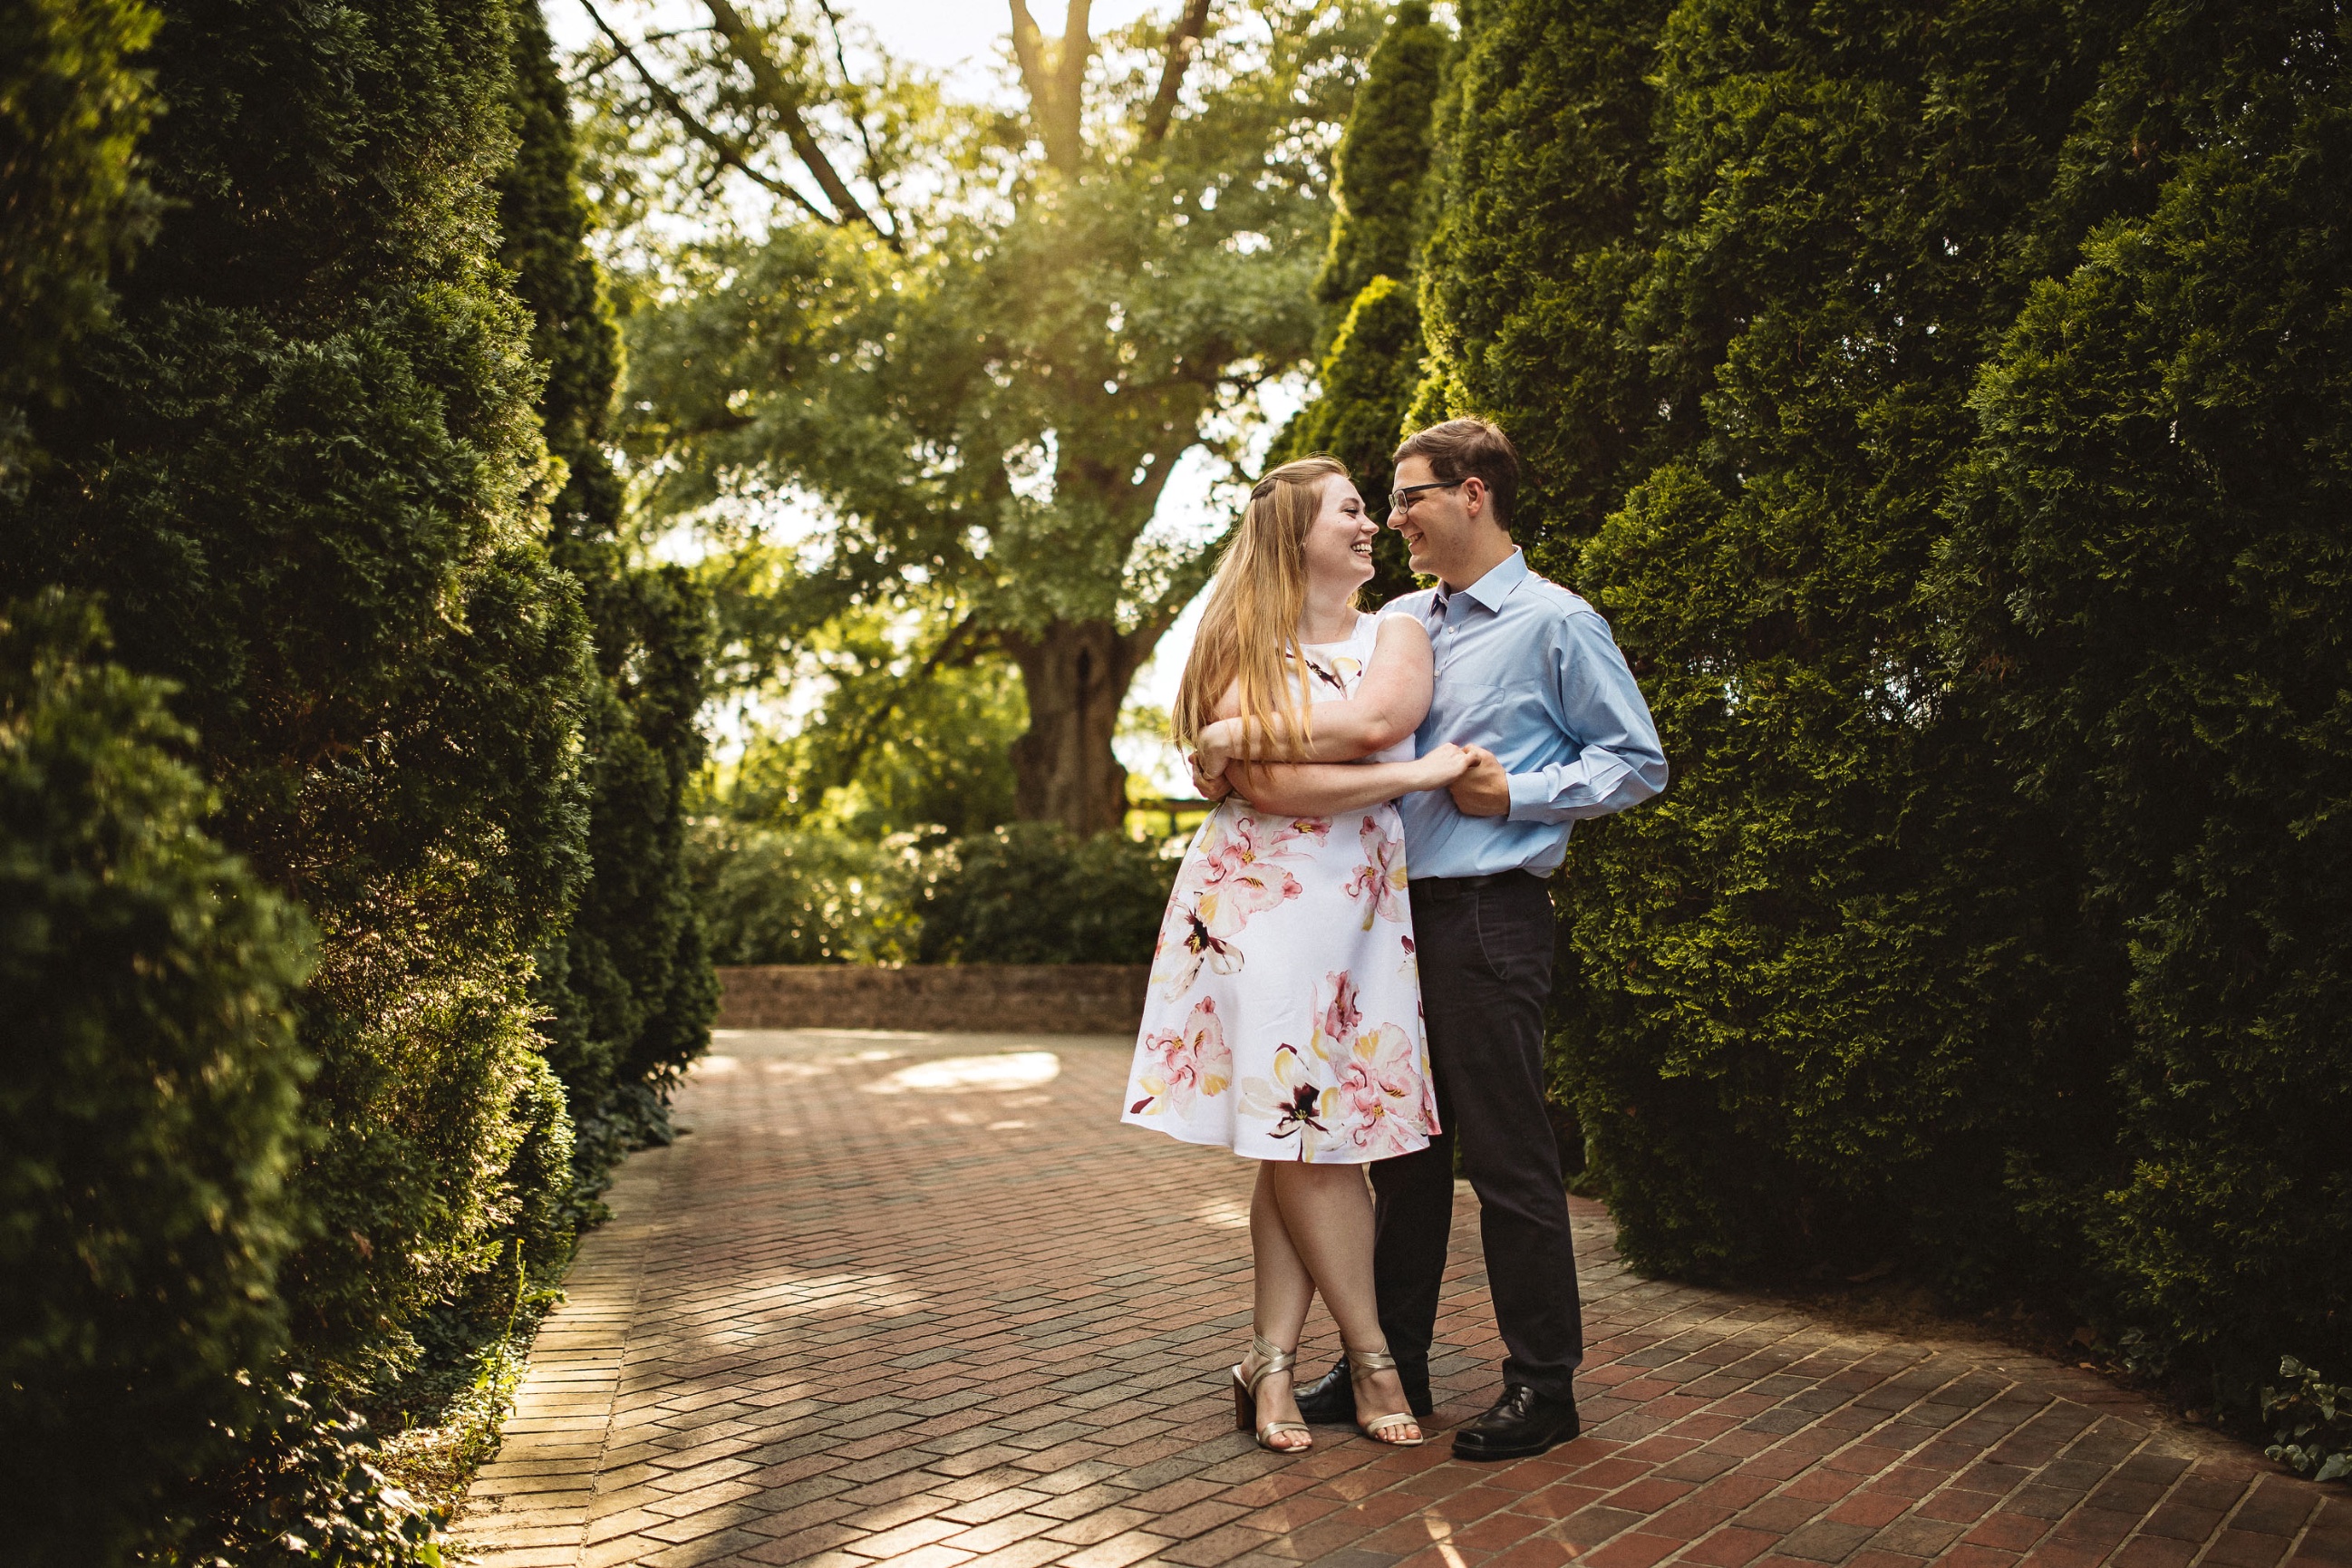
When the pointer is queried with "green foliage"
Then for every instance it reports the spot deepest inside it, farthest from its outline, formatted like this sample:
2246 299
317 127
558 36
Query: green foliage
70 205
984 354
1373 361
1032 892
1806 1024
776 897
1948 411
148 1113
310 1492
2310 1423
1545 227
913 734
1358 414
2151 577
1027 892
627 986
1383 159
301 467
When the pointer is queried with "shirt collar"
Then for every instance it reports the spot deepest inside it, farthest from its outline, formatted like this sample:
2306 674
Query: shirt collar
1496 587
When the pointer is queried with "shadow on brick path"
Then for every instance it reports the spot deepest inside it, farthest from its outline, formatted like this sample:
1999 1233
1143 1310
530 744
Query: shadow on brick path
919 1300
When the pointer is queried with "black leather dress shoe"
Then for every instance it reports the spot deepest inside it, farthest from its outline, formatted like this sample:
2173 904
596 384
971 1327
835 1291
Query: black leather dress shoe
1330 1399
1523 1423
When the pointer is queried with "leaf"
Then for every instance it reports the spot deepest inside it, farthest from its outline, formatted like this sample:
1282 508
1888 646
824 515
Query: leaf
2337 1465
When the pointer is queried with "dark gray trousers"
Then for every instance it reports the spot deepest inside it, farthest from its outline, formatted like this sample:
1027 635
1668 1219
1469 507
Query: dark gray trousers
1486 980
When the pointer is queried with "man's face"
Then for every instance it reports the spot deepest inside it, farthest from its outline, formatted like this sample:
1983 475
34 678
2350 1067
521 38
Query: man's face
1435 524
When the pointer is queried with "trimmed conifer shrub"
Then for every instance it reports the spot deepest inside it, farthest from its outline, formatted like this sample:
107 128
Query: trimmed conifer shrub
2152 579
148 1114
71 206
1543 231
1373 359
300 468
627 986
1383 159
1826 1005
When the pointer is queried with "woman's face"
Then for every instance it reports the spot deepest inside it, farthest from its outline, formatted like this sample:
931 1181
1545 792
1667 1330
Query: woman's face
1340 544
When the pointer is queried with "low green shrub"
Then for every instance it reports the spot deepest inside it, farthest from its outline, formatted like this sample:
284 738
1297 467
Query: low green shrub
308 1492
2310 1422
148 1109
1031 892
775 897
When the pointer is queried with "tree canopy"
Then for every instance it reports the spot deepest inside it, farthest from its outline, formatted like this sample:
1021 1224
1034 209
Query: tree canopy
973 344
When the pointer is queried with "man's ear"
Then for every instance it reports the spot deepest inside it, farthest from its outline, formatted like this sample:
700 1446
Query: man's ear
1473 495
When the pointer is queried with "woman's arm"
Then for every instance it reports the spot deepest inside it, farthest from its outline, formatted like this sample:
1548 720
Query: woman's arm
1326 789
1389 704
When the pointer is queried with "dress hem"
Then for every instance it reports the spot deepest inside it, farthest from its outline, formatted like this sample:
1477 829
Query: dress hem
1265 1158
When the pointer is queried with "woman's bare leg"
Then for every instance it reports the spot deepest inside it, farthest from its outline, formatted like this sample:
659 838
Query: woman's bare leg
1284 1290
1326 1212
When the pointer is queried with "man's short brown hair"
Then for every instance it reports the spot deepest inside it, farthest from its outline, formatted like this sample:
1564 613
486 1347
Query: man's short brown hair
1469 449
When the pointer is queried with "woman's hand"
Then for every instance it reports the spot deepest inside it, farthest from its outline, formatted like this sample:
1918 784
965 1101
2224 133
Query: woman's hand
1213 786
1216 747
1440 767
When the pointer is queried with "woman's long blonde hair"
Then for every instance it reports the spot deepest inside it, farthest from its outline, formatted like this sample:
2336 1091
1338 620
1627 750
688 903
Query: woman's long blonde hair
1249 633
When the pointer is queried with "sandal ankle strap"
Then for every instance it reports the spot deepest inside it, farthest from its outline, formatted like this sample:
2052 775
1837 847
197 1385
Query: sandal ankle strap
1271 1358
1368 1361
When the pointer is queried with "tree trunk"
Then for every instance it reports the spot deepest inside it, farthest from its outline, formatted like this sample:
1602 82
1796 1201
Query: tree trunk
1078 674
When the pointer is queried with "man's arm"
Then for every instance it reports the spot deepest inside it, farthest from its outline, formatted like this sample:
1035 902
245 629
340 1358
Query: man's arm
1620 762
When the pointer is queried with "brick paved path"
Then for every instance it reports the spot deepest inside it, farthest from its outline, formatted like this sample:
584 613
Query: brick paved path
918 1299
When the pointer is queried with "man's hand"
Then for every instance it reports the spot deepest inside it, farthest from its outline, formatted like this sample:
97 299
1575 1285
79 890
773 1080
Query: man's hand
1211 789
1484 789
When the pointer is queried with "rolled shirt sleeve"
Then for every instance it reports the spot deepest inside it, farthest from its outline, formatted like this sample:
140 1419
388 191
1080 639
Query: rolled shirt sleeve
1619 761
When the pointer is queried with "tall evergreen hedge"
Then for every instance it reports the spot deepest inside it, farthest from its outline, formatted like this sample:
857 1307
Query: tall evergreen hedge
148 1113
1819 1002
1544 225
627 985
2152 578
1947 407
72 206
1373 361
302 469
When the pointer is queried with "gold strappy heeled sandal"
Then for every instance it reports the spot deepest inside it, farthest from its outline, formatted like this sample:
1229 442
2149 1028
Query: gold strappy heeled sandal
1271 1359
1361 1364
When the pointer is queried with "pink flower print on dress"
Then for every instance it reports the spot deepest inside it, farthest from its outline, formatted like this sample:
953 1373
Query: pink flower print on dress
1187 1065
1380 1092
1182 951
1318 828
1289 1100
1341 1014
1380 879
1234 877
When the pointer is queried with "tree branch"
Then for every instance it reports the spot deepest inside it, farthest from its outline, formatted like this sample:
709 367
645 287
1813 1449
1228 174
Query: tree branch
857 117
729 152
1029 50
1181 40
783 101
1077 44
1056 96
869 726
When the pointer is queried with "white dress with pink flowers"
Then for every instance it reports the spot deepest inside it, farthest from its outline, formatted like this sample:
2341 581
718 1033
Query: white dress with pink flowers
1284 1019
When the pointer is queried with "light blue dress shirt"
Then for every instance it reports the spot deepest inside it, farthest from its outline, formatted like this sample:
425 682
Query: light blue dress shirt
1529 671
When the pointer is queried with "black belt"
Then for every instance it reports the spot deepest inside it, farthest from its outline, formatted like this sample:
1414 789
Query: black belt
1435 886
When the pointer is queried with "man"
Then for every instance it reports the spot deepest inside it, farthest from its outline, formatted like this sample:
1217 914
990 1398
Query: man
1530 681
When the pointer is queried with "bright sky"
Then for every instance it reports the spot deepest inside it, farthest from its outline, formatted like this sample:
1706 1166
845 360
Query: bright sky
959 38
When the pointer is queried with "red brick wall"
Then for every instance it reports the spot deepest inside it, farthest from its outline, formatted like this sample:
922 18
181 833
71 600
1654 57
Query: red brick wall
991 998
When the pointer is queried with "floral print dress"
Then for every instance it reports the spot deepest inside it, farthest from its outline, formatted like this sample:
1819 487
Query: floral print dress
1284 1018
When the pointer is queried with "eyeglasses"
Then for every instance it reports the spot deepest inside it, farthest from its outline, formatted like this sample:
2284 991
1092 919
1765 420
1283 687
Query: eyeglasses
1401 500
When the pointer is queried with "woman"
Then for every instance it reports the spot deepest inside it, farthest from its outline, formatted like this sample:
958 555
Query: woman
1284 1019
